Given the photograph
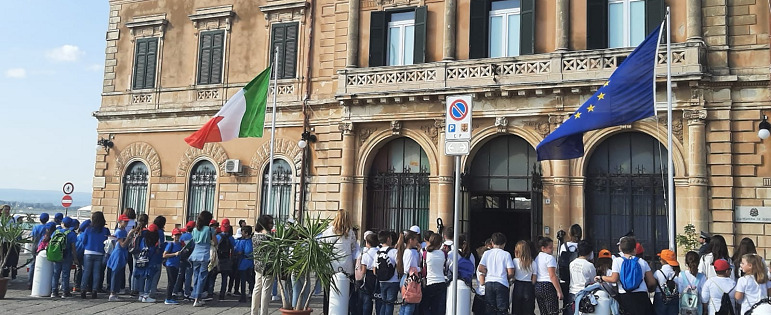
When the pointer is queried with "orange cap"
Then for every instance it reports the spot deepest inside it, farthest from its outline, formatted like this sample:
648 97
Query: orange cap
669 256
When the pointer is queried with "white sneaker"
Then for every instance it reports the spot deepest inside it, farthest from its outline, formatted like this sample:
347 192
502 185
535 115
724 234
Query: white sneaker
141 298
198 303
148 300
275 298
113 298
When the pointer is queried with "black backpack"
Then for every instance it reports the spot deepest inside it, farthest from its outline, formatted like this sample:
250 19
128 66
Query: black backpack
385 269
566 257
184 253
135 247
726 306
224 248
669 292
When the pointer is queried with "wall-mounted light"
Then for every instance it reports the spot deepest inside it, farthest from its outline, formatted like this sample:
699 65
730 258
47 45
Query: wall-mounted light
764 129
306 137
105 144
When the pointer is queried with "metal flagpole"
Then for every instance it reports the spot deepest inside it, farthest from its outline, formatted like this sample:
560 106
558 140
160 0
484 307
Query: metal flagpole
670 168
272 132
456 231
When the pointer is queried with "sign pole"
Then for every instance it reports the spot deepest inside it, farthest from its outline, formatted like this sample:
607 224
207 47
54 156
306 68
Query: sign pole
456 231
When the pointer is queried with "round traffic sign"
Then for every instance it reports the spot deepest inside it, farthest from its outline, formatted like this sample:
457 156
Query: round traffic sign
458 110
68 188
66 201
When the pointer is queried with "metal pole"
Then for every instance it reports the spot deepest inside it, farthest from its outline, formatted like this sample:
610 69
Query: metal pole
272 132
670 168
456 231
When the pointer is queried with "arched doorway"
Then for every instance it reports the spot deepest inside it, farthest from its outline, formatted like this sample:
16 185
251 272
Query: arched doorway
398 188
504 190
201 189
624 192
135 188
282 198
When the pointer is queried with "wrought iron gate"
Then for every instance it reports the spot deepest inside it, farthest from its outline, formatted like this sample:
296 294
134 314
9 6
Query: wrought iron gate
135 188
398 200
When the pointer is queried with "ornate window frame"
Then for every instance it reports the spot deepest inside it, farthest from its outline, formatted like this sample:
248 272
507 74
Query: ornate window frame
147 26
219 18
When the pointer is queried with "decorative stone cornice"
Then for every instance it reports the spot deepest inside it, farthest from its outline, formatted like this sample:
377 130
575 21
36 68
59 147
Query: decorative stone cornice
698 181
142 151
220 17
148 25
274 9
346 128
282 147
695 116
211 150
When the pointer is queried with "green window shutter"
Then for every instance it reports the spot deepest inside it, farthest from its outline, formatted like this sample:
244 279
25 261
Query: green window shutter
278 39
217 54
204 58
527 28
419 54
596 24
378 26
152 53
654 14
144 63
290 52
479 29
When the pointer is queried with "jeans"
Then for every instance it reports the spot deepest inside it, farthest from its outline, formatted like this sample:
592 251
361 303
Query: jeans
496 294
245 276
523 298
210 279
78 275
434 299
665 309
61 270
185 277
225 274
171 274
144 279
102 271
130 264
155 279
118 277
261 294
200 271
92 267
298 281
407 308
388 292
365 302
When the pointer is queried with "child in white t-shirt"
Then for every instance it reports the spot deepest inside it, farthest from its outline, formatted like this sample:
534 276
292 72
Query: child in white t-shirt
753 286
523 297
581 270
495 268
715 287
548 292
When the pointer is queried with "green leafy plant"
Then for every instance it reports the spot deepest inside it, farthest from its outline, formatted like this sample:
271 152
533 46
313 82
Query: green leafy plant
11 233
297 249
689 240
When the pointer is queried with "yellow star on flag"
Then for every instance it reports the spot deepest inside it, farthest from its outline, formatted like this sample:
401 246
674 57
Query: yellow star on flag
590 108
601 96
577 115
606 83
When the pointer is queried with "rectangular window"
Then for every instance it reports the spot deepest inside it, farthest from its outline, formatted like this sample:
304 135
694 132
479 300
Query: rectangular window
210 57
626 23
401 38
284 38
145 59
504 28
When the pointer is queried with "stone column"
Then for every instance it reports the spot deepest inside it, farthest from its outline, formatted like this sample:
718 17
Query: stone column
697 170
347 167
445 196
561 196
563 25
352 45
449 29
694 20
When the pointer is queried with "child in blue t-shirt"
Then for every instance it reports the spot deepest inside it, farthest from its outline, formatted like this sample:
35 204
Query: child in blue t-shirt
171 253
38 231
145 268
244 251
79 249
62 268
119 257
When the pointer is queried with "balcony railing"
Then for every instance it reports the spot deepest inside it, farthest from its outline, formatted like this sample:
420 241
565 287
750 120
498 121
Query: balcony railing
573 68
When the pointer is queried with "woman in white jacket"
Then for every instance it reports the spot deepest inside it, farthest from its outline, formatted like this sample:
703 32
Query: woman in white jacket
341 234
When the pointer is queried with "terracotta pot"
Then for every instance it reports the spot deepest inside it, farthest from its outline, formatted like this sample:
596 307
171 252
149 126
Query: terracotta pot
3 287
307 311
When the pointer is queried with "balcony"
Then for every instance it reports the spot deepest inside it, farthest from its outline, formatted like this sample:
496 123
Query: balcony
553 70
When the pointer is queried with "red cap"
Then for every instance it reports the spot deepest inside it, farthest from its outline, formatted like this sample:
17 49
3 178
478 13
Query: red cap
190 224
721 265
218 230
123 217
152 228
213 222
225 223
638 249
176 231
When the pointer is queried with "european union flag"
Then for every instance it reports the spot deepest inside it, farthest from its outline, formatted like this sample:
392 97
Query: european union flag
626 97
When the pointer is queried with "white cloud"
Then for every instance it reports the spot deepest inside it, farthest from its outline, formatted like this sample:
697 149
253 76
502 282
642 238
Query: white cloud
16 73
95 67
65 53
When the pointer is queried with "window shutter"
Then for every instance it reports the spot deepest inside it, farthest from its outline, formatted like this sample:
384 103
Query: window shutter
419 54
140 58
479 29
527 28
204 58
152 52
378 25
654 14
596 24
278 37
290 51
218 41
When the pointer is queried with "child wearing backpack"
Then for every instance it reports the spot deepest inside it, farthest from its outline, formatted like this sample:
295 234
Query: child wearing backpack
226 244
63 243
435 293
38 232
385 269
80 252
690 283
145 269
582 271
171 254
753 286
523 295
719 291
496 268
568 252
119 257
407 266
634 277
369 279
666 300
244 251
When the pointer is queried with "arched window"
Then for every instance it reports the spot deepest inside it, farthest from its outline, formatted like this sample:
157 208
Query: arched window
135 187
201 193
625 190
281 202
398 188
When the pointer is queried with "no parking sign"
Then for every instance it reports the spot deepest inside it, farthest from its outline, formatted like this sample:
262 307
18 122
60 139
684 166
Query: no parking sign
458 124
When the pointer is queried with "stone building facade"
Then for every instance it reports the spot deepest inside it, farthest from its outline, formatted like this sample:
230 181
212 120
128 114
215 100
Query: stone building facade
345 77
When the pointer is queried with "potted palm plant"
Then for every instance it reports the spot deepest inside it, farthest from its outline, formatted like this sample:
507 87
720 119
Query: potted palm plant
295 249
11 235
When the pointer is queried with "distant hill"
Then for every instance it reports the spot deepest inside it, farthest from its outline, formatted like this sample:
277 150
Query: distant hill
79 199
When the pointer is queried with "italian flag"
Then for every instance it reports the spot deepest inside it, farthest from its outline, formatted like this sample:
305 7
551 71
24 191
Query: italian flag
242 116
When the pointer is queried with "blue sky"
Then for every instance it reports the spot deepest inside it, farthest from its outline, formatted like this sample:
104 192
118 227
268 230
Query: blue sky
51 70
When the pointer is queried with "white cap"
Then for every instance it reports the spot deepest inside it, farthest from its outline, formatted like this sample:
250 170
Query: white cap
415 229
367 233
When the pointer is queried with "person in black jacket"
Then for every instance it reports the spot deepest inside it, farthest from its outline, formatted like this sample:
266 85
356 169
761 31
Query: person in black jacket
704 240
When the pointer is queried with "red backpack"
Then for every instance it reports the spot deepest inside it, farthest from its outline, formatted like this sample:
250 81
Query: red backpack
412 293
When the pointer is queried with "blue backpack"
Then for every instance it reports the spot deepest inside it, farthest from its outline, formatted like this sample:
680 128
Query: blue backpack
465 269
630 275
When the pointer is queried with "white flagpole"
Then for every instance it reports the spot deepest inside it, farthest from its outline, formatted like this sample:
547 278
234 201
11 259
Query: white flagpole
670 167
272 133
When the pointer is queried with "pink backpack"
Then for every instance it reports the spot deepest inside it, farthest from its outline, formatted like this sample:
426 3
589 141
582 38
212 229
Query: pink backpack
411 291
